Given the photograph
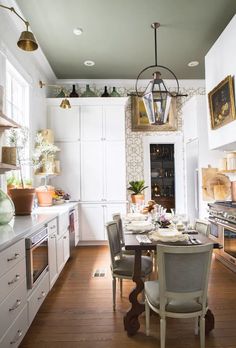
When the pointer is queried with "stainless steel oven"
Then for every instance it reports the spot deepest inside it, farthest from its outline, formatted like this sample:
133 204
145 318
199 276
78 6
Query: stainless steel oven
230 243
36 256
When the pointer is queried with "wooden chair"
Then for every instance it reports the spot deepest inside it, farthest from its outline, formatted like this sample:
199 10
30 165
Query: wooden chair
202 226
181 291
122 265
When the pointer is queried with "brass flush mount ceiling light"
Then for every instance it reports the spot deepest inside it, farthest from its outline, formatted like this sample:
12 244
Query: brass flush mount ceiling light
157 97
65 104
27 40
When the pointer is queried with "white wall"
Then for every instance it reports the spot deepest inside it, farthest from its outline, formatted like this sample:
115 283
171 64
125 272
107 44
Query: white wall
220 62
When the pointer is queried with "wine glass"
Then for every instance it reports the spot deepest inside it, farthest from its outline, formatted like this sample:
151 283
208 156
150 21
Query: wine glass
174 217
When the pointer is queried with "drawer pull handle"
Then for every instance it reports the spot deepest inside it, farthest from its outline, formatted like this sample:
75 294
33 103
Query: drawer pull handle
13 257
15 306
52 227
43 294
65 237
17 277
53 236
17 337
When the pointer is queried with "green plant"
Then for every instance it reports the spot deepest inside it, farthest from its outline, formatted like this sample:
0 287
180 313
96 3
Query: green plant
137 187
18 138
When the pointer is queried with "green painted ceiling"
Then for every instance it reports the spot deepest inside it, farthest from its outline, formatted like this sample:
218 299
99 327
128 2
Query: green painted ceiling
118 37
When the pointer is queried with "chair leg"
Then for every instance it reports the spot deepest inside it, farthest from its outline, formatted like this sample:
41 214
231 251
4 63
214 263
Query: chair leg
196 326
121 287
202 332
163 332
147 316
114 293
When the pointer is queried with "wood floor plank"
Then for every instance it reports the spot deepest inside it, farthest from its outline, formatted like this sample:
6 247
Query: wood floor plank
78 311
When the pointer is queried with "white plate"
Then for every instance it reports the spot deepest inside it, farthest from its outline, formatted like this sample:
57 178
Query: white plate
139 226
135 217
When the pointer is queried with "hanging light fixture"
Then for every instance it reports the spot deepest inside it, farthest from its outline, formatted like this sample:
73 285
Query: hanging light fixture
65 103
156 97
27 40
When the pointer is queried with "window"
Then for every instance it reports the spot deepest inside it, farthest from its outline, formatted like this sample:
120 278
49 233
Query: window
17 96
17 108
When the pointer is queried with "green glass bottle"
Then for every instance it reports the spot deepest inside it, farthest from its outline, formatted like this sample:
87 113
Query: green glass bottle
114 92
7 208
88 92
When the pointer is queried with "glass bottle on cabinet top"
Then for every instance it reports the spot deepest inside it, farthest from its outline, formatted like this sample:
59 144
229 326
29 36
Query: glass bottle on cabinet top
114 92
163 174
105 93
88 92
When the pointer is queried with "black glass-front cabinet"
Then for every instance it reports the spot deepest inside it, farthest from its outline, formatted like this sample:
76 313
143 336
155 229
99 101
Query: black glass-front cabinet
163 174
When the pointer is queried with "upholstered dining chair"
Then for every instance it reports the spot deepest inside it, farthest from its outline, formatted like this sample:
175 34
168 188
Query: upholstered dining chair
117 217
122 265
202 226
181 290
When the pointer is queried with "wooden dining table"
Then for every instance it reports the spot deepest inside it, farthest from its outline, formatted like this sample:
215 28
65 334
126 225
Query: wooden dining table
131 319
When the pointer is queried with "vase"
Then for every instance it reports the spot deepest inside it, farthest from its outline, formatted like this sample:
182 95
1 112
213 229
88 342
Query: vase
88 92
23 199
73 93
114 92
7 208
105 93
61 94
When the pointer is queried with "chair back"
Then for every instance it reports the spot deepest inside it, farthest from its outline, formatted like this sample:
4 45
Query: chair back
114 241
183 273
117 217
203 227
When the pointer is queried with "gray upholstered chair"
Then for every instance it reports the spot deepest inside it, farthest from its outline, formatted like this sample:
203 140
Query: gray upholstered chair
122 265
181 291
117 217
202 226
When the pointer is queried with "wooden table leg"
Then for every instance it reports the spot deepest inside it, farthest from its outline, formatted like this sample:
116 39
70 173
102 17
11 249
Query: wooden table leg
209 321
131 322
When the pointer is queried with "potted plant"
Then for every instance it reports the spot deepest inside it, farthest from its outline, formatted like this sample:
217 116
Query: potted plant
137 188
21 193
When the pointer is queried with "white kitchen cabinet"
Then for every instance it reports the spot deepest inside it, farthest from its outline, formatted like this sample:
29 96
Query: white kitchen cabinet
91 123
66 246
69 177
65 123
114 123
93 218
63 250
52 251
37 297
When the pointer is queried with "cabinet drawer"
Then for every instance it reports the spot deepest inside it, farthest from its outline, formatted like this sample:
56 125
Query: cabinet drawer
52 227
37 297
11 256
16 332
12 306
11 279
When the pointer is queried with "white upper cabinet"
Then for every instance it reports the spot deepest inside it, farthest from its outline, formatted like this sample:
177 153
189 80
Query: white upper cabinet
91 123
114 122
65 123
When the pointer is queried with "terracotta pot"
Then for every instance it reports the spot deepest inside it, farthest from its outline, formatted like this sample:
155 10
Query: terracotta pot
137 198
44 198
23 199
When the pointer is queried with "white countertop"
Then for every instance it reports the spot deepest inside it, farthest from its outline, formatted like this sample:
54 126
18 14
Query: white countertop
22 226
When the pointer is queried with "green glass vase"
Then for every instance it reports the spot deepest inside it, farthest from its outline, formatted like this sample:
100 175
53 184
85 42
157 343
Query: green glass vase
88 92
114 93
7 208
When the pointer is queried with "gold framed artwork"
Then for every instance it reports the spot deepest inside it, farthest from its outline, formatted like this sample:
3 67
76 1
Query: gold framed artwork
139 118
221 103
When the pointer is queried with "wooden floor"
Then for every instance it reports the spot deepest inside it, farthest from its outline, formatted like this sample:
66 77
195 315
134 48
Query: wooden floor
78 311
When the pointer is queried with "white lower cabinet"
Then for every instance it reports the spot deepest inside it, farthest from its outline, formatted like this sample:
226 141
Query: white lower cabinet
93 218
17 330
52 252
37 297
63 250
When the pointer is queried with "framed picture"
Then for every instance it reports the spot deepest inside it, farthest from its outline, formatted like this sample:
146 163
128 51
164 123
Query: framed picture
221 103
140 121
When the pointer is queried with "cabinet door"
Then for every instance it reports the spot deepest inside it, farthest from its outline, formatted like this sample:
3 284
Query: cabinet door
69 178
114 122
60 254
52 258
91 123
115 183
65 123
92 222
66 246
92 171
